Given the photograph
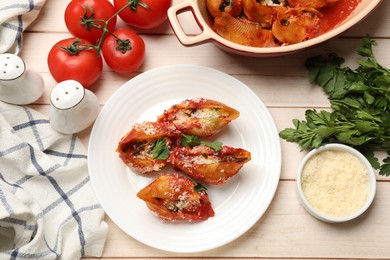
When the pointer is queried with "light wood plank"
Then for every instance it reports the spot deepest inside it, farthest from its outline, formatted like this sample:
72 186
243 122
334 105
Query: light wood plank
278 82
37 46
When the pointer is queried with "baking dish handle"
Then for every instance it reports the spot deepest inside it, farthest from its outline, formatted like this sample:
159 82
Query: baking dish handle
184 38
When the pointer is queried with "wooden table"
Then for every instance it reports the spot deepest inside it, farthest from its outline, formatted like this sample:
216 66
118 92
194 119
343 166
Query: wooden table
286 230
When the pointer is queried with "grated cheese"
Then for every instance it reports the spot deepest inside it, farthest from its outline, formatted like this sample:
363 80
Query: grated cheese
335 183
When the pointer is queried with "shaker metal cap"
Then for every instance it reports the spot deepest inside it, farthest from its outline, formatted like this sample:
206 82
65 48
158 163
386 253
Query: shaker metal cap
67 94
11 66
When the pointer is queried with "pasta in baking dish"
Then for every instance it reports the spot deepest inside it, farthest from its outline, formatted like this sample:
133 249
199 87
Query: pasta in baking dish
272 23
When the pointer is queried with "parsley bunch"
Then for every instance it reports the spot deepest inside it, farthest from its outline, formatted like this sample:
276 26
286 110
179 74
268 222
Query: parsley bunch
360 102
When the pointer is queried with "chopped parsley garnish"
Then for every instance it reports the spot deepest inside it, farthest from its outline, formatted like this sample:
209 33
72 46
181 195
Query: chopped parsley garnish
217 146
161 150
192 141
199 187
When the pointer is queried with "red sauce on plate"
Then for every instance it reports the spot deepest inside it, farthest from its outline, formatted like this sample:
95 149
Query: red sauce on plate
334 15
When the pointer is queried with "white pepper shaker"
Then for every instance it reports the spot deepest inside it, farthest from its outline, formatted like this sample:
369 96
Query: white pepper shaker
73 108
18 85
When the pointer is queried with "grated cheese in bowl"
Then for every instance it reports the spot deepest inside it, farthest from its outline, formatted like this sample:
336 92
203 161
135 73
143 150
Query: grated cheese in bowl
336 183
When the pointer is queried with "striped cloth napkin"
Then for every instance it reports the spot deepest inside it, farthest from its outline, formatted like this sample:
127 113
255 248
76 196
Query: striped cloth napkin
15 17
47 206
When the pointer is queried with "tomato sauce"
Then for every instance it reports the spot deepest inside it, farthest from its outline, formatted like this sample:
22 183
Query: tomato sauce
334 15
291 24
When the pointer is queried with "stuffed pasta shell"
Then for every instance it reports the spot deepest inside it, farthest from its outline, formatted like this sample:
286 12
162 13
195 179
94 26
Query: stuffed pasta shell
174 197
208 165
200 117
145 148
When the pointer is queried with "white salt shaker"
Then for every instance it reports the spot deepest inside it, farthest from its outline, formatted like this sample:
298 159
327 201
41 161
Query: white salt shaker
18 85
73 108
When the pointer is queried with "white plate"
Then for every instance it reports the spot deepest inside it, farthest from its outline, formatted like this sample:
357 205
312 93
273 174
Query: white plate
238 204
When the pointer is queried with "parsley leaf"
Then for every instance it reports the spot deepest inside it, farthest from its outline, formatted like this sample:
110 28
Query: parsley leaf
192 141
360 103
365 48
217 146
161 150
385 170
199 187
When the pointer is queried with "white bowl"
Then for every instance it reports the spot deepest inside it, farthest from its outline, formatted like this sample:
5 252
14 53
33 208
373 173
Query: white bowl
327 217
207 34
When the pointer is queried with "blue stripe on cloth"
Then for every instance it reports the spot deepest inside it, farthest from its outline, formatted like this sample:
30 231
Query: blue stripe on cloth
13 149
19 222
27 177
15 252
51 250
30 123
63 195
31 5
70 154
34 128
81 210
19 32
66 155
9 26
71 148
5 203
10 184
69 194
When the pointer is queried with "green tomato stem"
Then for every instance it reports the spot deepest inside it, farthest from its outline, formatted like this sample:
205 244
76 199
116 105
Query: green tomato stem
93 22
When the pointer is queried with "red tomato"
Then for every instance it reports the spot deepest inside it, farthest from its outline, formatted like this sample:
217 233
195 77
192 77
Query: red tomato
123 56
79 11
145 14
84 66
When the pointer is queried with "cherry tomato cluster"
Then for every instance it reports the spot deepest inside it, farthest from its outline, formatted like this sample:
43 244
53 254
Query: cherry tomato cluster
93 25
